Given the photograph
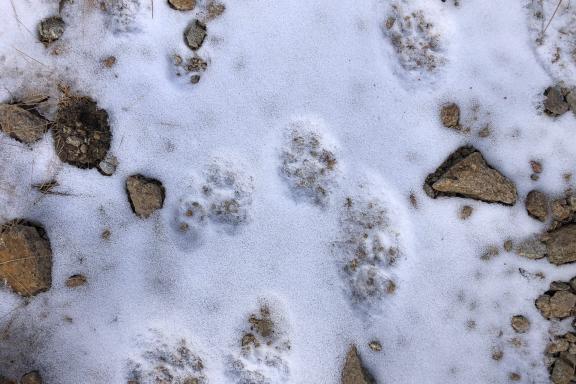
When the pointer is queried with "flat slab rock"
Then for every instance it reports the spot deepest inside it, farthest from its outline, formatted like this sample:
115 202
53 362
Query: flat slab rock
146 195
561 245
81 132
466 174
25 258
21 124
353 371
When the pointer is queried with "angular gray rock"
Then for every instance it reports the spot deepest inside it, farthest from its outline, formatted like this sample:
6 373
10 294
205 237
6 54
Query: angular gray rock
561 245
195 34
537 205
554 103
51 29
21 124
466 174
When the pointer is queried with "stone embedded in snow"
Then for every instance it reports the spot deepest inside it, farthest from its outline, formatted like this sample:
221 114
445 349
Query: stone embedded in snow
450 116
537 205
81 132
562 372
51 29
76 281
145 195
4 380
195 34
561 245
31 378
25 258
556 305
353 371
554 103
21 124
520 324
108 166
531 248
466 174
182 5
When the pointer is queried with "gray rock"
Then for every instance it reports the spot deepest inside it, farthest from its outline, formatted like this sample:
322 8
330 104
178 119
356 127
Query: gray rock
571 100
561 245
562 372
537 205
51 29
520 324
195 34
22 125
466 174
554 103
145 195
107 167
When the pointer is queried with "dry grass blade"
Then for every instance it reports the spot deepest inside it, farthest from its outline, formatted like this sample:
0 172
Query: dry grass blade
552 18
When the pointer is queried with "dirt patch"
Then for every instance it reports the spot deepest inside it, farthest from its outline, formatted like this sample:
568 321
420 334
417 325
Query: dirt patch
81 132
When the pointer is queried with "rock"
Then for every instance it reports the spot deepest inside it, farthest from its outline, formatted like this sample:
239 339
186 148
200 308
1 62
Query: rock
554 103
31 378
4 380
558 306
536 166
107 167
51 29
145 195
76 281
450 116
509 245
465 212
557 346
562 372
109 61
561 245
353 371
514 376
182 5
375 346
466 174
81 132
571 100
195 34
562 210
559 286
537 205
520 324
21 124
25 258
214 9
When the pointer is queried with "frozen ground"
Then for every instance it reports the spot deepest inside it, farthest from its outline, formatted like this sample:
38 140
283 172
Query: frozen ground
310 119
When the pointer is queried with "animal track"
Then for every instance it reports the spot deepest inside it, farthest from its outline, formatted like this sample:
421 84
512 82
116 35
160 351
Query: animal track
368 248
223 199
309 165
415 40
263 347
166 363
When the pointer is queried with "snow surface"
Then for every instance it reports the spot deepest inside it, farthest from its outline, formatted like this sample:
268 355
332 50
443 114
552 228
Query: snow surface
271 64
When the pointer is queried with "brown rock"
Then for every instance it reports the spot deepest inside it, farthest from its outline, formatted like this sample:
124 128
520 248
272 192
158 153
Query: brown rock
375 346
21 124
520 324
536 166
562 372
537 205
561 210
4 380
353 371
145 195
25 258
466 174
557 346
215 9
558 306
561 245
81 132
554 103
182 5
31 378
195 34
450 116
76 281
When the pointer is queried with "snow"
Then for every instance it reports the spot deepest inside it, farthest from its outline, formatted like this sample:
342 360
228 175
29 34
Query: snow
274 64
